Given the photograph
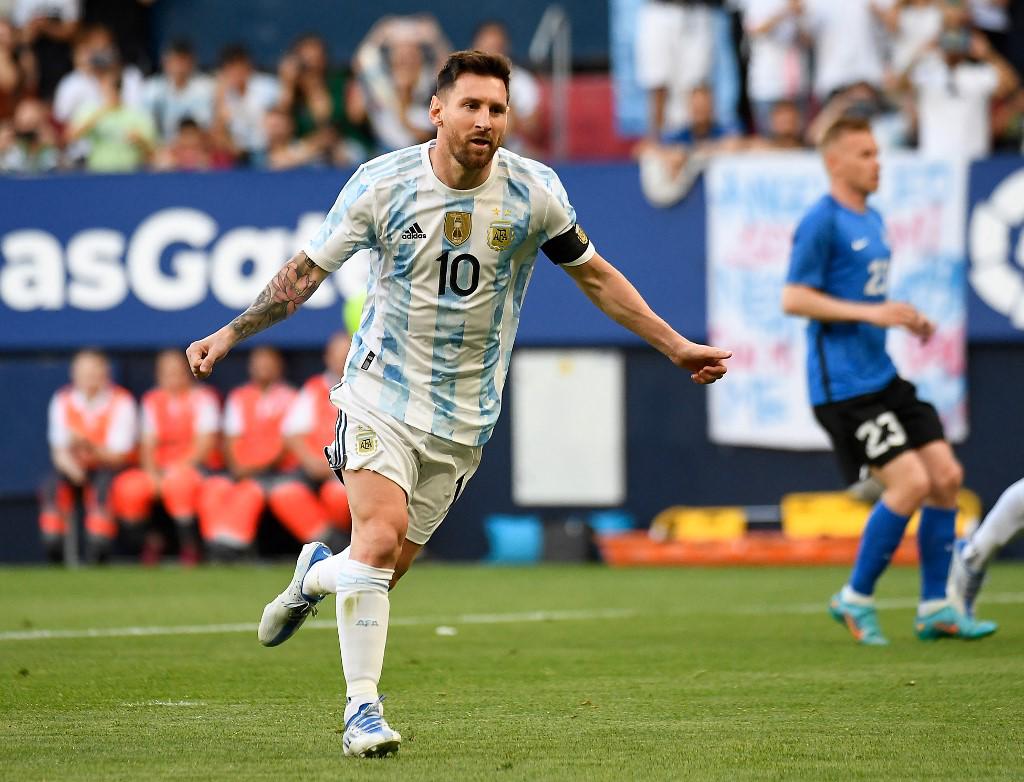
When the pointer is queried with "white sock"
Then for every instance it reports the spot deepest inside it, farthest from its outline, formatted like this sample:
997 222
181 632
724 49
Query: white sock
1004 521
322 578
850 596
363 608
926 607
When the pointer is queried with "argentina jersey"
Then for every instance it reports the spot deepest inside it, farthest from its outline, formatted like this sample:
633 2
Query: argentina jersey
448 273
844 254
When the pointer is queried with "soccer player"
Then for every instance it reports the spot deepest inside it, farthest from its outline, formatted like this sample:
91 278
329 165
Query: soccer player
971 556
92 433
180 424
837 279
454 226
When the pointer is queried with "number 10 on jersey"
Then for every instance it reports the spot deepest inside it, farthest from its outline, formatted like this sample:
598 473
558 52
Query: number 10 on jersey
449 274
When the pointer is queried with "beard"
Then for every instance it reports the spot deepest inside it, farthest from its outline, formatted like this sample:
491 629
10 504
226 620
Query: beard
471 156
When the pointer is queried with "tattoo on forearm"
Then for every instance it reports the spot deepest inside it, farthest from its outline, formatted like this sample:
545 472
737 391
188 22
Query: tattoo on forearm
283 295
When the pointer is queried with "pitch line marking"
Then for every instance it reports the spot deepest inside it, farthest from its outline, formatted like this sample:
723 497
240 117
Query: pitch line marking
994 598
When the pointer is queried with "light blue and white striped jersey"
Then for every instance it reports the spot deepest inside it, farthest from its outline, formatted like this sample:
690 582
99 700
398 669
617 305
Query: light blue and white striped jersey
448 274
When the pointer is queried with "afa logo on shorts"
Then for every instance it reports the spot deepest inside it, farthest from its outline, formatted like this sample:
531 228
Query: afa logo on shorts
366 441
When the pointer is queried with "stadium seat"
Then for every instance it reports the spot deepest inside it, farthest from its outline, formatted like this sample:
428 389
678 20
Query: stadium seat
514 540
698 524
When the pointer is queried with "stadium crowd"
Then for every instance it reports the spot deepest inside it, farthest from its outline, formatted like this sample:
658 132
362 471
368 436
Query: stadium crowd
78 89
213 471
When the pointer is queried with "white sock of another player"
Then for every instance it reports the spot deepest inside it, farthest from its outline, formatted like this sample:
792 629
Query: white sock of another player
363 609
1004 521
322 578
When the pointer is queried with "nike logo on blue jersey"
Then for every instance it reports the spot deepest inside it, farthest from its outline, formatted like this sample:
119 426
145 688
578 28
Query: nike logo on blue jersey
859 244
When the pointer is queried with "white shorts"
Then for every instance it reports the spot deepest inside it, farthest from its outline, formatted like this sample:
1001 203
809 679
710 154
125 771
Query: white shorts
674 46
433 472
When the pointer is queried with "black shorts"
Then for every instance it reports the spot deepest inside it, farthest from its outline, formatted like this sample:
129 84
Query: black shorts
873 429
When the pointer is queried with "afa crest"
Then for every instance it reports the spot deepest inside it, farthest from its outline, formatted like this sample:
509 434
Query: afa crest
366 441
457 227
582 235
500 235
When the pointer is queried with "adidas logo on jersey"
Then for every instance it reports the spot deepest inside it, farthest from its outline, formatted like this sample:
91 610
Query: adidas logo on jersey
414 232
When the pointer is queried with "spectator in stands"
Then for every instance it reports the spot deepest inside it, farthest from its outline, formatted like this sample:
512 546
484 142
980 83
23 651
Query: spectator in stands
129 23
396 64
180 424
315 95
283 149
310 426
674 54
785 129
190 149
28 145
180 92
956 80
18 72
261 468
121 138
95 57
848 39
524 91
92 436
913 25
242 97
992 17
668 169
48 27
890 123
777 69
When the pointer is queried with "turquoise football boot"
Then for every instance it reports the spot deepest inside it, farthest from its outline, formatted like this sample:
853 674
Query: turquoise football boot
947 622
860 620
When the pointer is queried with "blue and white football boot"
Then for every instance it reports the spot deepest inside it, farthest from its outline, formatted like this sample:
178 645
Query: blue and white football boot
368 735
965 581
286 612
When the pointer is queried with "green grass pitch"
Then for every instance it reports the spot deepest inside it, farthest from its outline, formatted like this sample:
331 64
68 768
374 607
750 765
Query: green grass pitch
731 674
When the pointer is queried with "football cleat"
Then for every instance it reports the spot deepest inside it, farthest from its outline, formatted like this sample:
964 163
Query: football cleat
964 581
947 622
368 735
860 620
285 613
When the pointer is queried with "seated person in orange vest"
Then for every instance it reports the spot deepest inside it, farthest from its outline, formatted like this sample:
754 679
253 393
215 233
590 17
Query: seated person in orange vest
92 433
260 467
309 427
180 422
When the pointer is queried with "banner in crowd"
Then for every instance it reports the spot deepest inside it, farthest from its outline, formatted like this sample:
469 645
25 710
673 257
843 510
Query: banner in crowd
753 206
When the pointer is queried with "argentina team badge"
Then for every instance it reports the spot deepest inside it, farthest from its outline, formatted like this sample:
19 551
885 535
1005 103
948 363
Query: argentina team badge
500 235
366 441
457 227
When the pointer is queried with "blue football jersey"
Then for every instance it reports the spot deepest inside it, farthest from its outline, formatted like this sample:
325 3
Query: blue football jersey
844 254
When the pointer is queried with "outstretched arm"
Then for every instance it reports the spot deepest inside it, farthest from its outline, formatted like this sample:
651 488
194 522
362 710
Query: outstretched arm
294 283
616 297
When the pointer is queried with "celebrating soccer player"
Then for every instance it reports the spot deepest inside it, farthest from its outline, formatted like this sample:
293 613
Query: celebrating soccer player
837 279
454 226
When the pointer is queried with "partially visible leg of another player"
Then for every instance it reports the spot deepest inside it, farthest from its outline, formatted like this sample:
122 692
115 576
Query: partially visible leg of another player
906 486
972 555
936 616
927 478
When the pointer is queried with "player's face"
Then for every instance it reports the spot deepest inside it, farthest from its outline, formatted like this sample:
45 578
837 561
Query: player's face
172 372
472 116
855 161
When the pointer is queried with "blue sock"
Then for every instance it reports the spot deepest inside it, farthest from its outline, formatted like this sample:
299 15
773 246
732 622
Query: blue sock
882 535
935 535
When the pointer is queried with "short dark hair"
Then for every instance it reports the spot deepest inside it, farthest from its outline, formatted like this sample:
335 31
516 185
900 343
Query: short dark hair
842 126
233 53
479 63
182 46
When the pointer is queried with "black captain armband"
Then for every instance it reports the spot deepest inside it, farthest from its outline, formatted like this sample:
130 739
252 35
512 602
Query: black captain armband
567 247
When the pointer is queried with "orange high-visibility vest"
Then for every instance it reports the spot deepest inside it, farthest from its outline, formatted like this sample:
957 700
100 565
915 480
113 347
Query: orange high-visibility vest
261 442
325 414
175 417
91 425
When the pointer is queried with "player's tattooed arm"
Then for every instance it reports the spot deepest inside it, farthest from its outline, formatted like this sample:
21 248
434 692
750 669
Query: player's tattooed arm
291 287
